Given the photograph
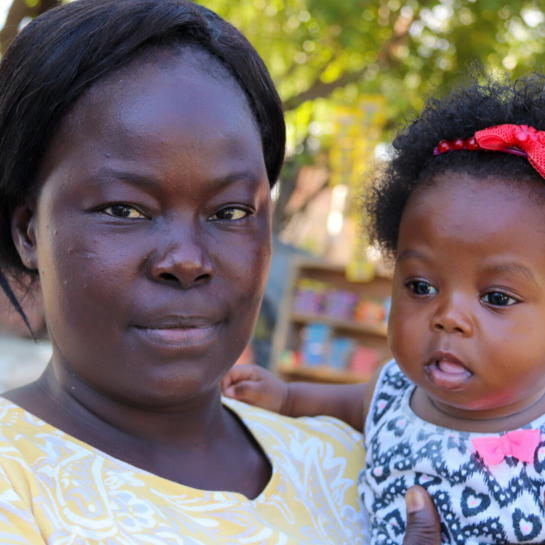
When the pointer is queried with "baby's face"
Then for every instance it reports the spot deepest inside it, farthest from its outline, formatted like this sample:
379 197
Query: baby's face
152 234
468 309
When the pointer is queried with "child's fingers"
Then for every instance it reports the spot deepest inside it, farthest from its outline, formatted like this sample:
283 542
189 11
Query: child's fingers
248 391
255 386
237 374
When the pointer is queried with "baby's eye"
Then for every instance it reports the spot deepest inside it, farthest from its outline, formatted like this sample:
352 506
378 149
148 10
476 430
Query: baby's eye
499 299
421 288
123 211
230 214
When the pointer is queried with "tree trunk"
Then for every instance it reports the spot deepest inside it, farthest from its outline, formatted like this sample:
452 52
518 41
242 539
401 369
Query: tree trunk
44 5
17 12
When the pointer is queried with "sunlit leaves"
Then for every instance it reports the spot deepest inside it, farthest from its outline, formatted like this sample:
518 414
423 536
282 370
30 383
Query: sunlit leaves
327 52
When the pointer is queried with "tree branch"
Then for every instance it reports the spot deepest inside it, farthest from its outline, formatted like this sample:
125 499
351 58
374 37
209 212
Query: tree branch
320 89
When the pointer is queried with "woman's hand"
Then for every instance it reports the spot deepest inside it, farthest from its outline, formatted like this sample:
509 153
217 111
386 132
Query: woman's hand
423 526
256 386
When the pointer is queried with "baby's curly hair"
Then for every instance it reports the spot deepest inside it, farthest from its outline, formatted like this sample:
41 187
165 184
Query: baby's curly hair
481 102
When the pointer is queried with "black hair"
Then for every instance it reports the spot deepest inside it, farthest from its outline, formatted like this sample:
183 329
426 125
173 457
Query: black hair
61 54
481 102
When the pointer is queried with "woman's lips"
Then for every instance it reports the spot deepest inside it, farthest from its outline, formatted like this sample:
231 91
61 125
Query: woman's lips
447 373
180 332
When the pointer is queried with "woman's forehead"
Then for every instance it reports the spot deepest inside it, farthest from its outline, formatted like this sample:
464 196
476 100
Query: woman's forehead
179 70
159 108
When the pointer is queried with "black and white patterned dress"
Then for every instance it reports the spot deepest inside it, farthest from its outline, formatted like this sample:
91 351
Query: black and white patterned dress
503 503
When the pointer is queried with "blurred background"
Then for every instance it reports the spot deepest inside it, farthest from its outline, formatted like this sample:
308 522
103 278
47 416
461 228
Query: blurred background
349 73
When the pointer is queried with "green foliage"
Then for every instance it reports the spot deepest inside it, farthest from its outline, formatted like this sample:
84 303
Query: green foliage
326 52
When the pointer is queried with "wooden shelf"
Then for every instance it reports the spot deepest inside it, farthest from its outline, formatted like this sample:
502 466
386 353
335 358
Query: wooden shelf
321 373
372 329
287 335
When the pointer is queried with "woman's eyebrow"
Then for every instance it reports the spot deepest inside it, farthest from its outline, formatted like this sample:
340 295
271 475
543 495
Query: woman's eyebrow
238 176
108 175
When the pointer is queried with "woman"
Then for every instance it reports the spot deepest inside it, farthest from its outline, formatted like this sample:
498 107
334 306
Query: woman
139 140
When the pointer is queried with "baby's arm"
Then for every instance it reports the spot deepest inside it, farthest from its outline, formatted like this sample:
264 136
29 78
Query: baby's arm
256 386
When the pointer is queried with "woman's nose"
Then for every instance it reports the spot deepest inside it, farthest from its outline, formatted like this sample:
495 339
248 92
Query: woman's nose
184 262
453 316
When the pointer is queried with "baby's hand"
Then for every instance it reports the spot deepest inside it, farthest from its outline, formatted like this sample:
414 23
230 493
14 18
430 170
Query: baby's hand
256 386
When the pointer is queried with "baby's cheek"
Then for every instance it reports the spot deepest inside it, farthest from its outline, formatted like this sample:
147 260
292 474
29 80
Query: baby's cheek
401 331
407 338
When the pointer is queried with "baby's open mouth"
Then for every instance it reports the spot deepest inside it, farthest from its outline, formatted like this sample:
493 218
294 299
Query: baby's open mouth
446 372
450 367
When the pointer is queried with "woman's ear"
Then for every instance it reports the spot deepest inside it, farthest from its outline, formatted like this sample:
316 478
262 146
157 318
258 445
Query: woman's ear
23 232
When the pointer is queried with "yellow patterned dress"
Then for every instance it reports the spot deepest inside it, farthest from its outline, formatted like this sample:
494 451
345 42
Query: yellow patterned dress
57 490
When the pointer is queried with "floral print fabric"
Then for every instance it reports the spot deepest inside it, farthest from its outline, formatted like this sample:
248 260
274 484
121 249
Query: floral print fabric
57 490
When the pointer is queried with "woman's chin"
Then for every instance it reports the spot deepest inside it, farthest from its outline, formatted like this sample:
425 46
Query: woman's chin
170 392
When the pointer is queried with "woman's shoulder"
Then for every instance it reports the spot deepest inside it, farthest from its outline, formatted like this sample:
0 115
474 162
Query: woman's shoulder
15 420
319 428
28 443
23 436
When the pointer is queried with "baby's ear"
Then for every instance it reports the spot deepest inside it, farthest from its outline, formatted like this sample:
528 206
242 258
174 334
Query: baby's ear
23 232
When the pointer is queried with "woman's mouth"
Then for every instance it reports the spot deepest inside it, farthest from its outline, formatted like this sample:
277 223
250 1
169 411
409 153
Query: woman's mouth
446 372
180 332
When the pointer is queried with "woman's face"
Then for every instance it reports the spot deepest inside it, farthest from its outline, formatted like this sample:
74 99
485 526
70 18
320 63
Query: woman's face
151 233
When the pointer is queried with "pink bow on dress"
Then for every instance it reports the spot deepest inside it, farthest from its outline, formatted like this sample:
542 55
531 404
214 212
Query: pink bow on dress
520 444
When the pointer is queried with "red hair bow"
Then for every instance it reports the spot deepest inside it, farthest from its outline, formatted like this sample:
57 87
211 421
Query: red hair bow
517 139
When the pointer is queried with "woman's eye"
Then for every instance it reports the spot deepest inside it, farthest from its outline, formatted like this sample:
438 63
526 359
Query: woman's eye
230 214
422 288
499 299
123 211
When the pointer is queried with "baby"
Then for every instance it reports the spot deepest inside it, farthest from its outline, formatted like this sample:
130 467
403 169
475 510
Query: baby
460 410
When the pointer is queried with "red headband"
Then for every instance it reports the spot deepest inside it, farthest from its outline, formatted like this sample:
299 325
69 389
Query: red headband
515 139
